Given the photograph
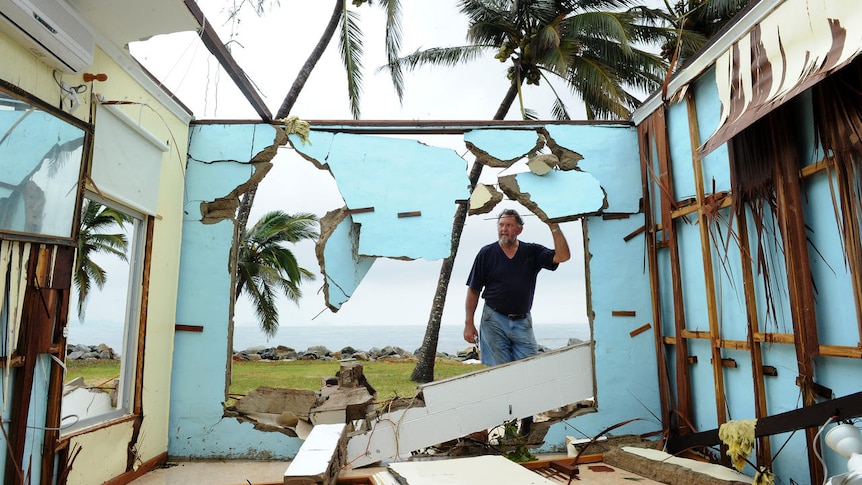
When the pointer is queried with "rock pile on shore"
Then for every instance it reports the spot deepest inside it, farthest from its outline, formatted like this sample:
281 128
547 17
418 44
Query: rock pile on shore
101 351
321 352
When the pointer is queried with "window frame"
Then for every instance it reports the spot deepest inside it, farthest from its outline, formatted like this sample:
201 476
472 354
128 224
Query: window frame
129 362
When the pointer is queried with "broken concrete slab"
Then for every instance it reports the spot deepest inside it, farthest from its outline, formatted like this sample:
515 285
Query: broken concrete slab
476 401
476 469
672 470
278 401
342 405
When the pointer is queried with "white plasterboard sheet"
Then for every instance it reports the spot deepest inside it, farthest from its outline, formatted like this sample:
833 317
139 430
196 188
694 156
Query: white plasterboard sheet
467 471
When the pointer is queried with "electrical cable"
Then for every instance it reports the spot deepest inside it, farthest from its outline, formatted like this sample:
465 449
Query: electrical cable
817 448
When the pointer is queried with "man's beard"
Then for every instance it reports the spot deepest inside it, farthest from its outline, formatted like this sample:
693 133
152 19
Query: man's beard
507 241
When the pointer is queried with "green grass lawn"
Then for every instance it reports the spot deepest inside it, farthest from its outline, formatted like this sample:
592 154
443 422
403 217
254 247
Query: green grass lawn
390 378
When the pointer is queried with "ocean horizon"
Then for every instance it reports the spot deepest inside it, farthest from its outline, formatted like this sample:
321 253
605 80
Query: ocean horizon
336 337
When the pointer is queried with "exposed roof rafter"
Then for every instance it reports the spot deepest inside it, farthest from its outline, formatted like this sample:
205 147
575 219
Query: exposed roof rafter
216 47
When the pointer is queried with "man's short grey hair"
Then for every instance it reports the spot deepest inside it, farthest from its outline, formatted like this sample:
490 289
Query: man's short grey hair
511 213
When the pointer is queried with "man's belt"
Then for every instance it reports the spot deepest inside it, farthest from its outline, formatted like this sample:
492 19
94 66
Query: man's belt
511 316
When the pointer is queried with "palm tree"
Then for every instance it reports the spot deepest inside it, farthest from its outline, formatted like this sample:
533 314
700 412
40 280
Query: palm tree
695 22
96 219
265 265
589 44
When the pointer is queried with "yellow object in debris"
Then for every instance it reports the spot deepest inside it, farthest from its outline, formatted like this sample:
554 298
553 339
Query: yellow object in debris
295 126
763 477
739 438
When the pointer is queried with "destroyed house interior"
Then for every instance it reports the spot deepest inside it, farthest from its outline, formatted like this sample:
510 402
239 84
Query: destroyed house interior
722 242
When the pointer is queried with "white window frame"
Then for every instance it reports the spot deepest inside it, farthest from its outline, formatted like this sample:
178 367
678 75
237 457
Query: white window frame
129 349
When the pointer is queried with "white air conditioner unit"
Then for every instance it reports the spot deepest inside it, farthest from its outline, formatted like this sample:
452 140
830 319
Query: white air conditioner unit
51 30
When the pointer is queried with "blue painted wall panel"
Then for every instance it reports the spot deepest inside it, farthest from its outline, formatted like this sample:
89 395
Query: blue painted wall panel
561 194
317 146
691 269
345 269
715 165
728 280
197 426
835 317
611 155
396 176
625 366
737 385
234 142
680 151
702 385
504 145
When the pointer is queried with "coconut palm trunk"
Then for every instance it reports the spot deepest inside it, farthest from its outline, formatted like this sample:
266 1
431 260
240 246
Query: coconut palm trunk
316 54
290 98
424 370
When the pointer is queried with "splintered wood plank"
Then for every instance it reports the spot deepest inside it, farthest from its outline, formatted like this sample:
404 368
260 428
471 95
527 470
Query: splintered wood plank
479 400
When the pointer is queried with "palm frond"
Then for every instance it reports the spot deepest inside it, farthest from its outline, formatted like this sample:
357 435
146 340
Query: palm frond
393 43
351 56
442 56
266 267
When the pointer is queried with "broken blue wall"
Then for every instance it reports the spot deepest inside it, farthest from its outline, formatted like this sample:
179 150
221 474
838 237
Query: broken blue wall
393 176
217 164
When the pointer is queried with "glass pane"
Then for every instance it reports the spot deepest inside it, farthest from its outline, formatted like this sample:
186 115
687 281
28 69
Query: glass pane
101 346
40 164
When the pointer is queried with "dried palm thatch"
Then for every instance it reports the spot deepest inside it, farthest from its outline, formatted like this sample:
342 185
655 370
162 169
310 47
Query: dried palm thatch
755 154
838 131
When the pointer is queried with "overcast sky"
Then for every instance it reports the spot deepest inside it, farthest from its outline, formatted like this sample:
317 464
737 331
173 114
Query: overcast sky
271 50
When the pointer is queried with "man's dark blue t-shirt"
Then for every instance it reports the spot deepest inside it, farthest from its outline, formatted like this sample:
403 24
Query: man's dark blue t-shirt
510 283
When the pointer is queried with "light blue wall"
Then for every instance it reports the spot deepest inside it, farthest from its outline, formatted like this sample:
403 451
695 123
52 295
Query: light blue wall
197 426
344 267
611 155
376 172
515 143
626 374
394 176
381 172
836 316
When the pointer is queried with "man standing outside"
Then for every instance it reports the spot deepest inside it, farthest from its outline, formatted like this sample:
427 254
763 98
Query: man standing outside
507 270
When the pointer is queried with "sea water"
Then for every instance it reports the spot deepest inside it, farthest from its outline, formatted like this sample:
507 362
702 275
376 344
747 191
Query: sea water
336 337
408 337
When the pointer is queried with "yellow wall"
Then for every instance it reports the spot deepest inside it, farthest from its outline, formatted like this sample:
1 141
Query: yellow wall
103 454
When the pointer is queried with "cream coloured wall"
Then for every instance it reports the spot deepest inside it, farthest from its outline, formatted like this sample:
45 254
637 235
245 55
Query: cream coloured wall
103 451
161 308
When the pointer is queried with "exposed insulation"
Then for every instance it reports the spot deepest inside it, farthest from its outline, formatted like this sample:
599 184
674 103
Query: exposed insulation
739 438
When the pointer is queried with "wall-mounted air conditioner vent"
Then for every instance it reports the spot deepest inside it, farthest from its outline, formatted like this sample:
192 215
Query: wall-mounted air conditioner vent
51 30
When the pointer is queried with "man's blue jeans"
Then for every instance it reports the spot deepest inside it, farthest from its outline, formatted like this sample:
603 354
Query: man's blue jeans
502 339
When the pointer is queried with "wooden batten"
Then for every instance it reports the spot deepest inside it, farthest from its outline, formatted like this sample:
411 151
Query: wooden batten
646 132
703 223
